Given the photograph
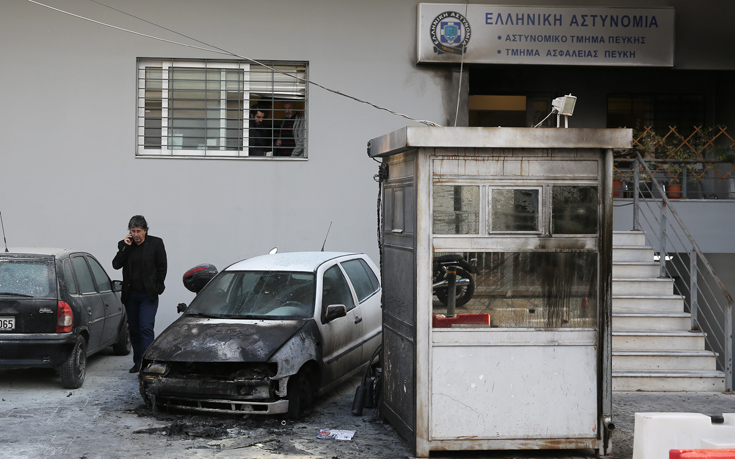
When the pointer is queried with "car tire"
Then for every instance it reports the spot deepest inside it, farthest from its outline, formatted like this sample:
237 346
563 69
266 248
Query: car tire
300 394
123 346
74 368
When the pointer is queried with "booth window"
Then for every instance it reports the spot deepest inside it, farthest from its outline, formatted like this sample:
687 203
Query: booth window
532 289
514 210
574 210
456 209
203 108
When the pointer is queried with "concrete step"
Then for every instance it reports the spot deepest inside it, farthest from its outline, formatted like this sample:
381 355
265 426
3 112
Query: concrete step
642 303
657 340
669 381
629 238
664 360
632 253
635 269
651 321
647 286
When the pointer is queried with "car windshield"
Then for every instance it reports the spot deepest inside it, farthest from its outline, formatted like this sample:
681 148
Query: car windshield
27 278
257 295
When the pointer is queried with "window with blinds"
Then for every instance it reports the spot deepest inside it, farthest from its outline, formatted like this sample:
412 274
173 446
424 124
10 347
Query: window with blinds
217 108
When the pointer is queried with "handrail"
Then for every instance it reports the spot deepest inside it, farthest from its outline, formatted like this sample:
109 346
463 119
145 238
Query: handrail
695 254
660 189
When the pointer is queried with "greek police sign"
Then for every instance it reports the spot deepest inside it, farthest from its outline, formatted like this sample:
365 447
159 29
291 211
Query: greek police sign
546 35
450 32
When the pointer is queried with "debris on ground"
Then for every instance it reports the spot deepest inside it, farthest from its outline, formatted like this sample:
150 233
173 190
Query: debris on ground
335 434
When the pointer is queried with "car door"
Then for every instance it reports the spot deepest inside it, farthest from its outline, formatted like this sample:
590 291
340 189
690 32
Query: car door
113 306
341 337
367 290
92 305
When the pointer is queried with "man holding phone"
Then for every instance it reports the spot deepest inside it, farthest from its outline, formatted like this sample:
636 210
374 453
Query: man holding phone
142 258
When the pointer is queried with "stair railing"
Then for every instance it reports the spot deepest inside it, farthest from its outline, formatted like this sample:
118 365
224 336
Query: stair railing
680 258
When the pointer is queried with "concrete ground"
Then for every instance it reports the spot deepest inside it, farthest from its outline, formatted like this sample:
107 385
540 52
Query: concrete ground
106 419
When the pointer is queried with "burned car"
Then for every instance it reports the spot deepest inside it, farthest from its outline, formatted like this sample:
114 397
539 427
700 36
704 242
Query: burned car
267 335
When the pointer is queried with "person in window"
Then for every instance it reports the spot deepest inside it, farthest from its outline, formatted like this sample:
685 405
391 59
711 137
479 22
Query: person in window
261 141
142 258
291 135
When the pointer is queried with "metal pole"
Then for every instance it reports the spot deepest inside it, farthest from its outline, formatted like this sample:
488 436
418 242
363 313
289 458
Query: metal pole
451 292
693 289
684 184
662 242
636 193
728 347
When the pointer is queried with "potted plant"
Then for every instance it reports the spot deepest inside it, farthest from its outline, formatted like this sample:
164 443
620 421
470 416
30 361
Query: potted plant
728 156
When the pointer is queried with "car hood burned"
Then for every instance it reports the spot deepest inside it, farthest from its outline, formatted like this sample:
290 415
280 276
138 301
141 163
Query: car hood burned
195 339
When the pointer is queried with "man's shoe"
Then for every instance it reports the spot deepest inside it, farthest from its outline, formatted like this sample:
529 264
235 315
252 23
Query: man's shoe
135 369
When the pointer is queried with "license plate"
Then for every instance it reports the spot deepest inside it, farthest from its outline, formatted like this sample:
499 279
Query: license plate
7 323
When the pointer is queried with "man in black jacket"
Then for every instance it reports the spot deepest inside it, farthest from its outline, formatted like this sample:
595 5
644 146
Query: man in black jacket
143 260
260 140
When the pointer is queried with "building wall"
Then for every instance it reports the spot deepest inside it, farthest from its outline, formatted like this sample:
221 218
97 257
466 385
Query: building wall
70 176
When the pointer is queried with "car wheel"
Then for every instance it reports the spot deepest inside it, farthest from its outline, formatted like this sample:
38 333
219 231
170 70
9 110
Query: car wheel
300 394
74 368
123 345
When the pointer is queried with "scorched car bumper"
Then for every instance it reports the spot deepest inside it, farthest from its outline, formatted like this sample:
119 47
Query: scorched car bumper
211 396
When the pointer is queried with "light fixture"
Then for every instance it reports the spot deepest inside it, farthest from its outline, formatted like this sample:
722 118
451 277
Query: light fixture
564 106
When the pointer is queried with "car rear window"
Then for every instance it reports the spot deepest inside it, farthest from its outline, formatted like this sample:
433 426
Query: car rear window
28 278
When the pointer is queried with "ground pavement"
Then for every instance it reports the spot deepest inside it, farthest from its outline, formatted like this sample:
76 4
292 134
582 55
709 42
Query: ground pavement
106 418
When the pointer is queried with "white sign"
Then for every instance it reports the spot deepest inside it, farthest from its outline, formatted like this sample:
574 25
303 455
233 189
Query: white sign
491 34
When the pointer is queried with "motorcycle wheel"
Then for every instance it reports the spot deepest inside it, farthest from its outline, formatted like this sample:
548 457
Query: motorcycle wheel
464 292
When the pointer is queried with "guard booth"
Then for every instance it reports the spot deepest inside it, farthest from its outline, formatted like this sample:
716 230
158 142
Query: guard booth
526 362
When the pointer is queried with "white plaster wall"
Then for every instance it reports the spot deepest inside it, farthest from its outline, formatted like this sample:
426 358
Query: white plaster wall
69 172
710 222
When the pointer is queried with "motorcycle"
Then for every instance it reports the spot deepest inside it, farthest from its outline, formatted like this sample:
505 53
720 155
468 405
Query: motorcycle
465 282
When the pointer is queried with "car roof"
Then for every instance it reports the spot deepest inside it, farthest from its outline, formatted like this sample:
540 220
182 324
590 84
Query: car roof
288 261
48 251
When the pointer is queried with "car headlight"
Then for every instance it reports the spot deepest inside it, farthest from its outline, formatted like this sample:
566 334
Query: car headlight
156 368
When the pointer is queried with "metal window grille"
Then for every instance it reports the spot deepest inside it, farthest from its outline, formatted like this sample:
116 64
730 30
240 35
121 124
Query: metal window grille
203 108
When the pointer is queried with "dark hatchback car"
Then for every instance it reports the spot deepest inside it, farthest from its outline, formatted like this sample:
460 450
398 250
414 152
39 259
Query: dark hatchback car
57 307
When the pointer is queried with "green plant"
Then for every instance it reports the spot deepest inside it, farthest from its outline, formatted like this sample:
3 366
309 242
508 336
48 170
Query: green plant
681 152
727 156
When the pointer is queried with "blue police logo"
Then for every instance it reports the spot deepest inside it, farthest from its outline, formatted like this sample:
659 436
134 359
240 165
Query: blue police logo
450 33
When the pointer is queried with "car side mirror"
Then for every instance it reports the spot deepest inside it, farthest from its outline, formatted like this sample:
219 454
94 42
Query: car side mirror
117 286
335 311
181 307
197 277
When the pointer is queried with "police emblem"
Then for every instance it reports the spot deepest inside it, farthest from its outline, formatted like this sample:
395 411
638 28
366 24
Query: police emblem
450 33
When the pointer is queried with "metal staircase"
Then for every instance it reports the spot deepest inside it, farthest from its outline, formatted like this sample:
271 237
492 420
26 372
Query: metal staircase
654 346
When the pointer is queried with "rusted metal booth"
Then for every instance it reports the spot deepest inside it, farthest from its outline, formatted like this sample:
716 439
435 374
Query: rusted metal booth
531 209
